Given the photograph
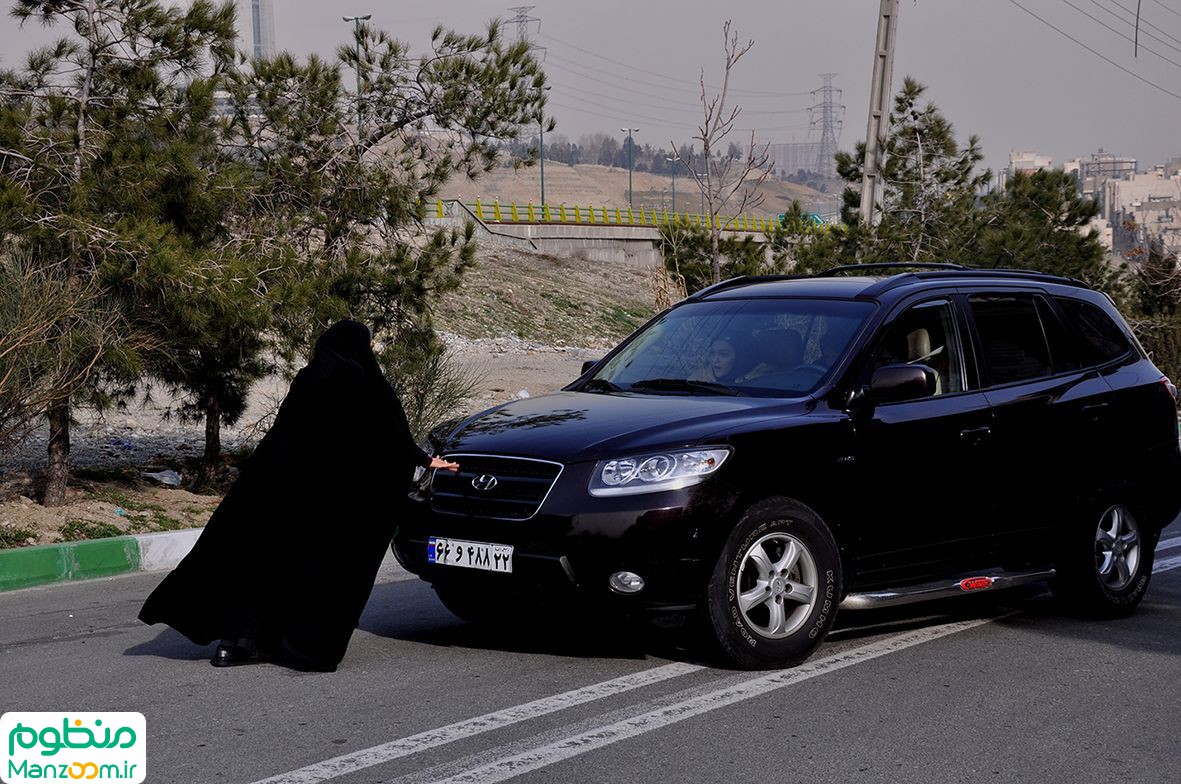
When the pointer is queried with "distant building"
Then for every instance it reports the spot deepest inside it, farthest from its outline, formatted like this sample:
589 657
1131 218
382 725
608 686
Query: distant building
1145 207
786 160
1095 171
256 27
1025 162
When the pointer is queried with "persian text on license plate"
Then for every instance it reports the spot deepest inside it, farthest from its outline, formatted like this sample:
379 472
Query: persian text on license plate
472 555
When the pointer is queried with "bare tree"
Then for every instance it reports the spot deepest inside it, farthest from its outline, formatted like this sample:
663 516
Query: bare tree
40 364
728 183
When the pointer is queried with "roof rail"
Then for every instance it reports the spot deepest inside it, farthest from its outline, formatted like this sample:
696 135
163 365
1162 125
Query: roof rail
741 280
895 281
889 265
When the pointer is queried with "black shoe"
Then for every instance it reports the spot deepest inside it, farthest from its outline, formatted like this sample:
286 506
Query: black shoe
229 655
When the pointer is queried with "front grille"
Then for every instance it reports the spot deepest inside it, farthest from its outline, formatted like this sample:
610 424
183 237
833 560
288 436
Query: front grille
521 486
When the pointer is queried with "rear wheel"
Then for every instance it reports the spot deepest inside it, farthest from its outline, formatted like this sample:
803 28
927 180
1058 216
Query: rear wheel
774 590
1106 569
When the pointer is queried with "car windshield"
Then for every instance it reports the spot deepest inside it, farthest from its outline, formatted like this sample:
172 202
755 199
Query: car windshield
762 347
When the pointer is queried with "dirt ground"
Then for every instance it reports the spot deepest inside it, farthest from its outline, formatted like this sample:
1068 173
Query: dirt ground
550 300
106 505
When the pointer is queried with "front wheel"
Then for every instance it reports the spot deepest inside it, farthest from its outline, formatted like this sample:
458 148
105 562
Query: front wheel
774 590
1105 570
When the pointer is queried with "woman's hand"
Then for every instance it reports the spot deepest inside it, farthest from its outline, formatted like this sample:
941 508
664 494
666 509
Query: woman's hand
438 462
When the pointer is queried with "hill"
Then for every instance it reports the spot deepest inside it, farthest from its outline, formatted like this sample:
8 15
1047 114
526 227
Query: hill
586 184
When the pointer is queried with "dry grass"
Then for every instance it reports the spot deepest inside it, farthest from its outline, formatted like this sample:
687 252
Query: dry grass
547 299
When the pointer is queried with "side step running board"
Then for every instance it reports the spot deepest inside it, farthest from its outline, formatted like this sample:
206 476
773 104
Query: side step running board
942 589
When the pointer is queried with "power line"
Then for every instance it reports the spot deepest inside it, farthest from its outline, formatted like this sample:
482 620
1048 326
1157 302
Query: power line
1103 57
664 123
649 71
1124 36
556 61
1144 22
681 108
1170 10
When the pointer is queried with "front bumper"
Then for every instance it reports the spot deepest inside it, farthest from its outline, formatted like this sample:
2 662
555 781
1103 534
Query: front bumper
567 551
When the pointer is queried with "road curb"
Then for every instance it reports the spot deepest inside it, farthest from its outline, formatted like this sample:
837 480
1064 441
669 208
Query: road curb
158 552
52 563
26 567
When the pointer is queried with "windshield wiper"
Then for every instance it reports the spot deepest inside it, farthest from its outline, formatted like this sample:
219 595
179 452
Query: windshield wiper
601 385
686 385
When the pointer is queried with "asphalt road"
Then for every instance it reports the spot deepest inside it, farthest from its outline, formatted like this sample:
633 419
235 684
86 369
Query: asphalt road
996 691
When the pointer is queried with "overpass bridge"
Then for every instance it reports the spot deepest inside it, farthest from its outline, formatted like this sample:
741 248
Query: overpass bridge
630 236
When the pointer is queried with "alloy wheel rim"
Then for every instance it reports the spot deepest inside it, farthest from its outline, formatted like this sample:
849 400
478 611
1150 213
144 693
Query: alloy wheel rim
1117 548
777 585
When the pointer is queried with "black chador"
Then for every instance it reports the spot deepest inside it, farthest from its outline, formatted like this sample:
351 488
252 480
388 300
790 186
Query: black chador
288 559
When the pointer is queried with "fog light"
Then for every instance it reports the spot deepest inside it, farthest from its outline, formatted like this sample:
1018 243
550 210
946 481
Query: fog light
626 582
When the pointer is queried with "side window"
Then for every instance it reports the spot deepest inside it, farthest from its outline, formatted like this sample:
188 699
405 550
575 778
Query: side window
1063 350
1100 340
1012 338
925 335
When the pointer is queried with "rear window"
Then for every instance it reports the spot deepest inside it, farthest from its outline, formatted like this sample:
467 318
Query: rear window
1100 340
1012 338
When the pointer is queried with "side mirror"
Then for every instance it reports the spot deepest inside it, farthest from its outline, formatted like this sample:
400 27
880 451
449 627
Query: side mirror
895 383
590 363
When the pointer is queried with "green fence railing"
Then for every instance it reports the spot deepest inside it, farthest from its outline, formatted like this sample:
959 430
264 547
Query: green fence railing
606 216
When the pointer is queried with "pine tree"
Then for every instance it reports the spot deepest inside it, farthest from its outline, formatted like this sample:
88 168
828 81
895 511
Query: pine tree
65 113
1039 222
929 186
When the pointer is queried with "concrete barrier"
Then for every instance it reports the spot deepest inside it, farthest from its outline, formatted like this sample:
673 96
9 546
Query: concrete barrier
25 567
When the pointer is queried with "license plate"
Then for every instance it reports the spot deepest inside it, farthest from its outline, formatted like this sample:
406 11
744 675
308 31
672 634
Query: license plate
470 555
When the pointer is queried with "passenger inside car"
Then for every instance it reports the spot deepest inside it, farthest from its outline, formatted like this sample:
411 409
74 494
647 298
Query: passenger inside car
728 354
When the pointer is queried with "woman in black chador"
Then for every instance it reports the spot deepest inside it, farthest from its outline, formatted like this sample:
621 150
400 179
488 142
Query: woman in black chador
285 565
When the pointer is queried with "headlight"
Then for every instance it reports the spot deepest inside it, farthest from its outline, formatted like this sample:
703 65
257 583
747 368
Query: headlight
652 473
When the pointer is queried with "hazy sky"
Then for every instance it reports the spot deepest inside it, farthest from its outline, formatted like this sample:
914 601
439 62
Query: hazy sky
995 70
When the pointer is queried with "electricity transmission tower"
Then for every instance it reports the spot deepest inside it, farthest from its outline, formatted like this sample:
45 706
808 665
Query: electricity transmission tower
523 19
827 115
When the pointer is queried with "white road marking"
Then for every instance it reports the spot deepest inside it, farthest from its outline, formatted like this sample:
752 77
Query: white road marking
605 735
1169 544
549 754
403 747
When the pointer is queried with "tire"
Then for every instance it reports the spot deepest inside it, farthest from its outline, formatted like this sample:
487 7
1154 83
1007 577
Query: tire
756 634
1098 578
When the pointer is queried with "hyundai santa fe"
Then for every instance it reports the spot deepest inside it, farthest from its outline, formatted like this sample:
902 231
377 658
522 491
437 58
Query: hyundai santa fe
773 449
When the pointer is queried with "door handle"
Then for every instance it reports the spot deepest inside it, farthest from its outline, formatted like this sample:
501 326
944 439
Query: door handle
1095 411
974 435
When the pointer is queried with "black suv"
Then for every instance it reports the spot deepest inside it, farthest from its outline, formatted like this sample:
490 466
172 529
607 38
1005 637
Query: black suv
773 448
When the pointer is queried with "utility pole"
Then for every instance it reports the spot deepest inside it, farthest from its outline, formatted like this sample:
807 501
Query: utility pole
879 104
630 146
673 161
356 20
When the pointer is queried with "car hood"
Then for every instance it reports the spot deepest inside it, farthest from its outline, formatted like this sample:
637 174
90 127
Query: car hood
572 426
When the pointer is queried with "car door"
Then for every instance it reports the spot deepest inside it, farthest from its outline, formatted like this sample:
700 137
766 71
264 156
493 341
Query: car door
1050 413
923 505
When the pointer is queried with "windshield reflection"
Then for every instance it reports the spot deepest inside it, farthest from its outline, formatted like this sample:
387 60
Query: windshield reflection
765 347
